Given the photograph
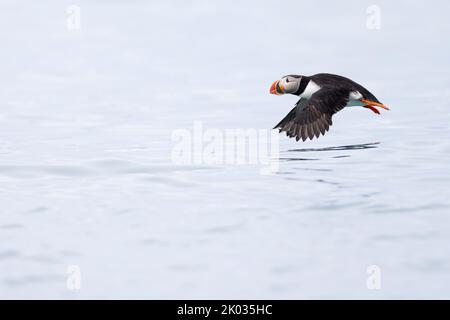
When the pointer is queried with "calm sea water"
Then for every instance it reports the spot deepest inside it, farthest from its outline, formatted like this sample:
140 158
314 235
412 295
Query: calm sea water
87 178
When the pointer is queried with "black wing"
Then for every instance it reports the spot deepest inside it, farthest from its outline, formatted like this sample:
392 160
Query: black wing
335 81
312 117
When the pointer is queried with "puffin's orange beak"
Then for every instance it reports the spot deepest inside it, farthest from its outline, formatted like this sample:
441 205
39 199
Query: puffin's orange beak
275 88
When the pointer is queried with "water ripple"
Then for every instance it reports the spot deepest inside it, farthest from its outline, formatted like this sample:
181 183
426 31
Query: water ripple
340 148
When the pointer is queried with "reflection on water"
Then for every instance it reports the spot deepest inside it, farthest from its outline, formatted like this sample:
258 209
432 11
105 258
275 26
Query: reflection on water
297 159
338 148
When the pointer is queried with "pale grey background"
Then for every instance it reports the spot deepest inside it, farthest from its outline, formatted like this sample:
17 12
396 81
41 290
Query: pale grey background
86 176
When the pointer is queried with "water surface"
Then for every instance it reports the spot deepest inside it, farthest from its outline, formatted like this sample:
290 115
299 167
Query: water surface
85 153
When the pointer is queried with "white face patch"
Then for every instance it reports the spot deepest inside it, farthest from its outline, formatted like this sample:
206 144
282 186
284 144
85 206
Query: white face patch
290 84
310 89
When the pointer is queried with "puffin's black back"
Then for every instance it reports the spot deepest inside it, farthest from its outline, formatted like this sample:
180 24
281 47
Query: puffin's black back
335 81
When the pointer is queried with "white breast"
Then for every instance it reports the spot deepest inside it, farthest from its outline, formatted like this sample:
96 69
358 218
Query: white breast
310 89
353 97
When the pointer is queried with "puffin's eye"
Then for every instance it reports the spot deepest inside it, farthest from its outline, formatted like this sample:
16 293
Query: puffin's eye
287 80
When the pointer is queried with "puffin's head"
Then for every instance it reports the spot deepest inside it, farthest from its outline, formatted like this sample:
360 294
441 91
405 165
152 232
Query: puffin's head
287 84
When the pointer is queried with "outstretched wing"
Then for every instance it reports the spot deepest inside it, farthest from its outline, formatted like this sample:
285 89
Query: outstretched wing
312 117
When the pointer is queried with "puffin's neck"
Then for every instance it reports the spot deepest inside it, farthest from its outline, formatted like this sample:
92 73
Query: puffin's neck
307 88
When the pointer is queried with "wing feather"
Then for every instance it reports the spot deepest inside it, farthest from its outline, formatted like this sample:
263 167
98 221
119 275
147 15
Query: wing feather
311 118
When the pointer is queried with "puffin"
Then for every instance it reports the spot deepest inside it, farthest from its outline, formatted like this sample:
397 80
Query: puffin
321 96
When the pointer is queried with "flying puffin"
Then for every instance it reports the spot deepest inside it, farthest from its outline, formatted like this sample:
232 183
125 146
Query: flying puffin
321 96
